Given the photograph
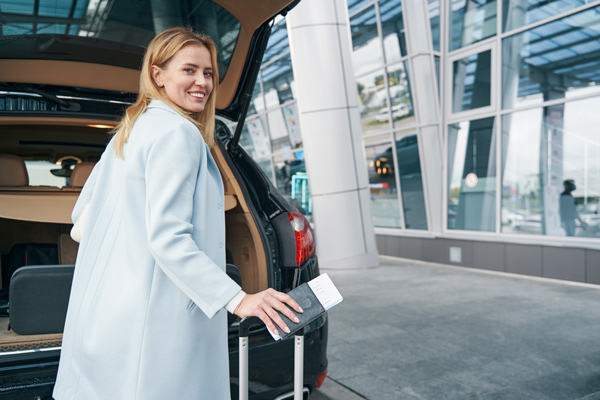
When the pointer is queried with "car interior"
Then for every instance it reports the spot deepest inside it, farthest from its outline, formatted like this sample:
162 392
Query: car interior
36 224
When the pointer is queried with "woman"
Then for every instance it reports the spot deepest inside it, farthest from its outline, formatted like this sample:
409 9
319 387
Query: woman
146 317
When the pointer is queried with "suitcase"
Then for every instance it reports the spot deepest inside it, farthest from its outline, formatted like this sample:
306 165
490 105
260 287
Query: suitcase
38 299
245 326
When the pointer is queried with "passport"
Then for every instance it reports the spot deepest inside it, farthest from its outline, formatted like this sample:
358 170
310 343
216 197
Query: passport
315 298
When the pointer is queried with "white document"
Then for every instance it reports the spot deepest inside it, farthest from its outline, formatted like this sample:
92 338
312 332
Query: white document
325 290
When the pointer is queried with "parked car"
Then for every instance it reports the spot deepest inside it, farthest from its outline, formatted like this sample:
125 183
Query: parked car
398 111
67 72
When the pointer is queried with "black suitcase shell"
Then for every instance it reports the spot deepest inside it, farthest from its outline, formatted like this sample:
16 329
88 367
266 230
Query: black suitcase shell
38 298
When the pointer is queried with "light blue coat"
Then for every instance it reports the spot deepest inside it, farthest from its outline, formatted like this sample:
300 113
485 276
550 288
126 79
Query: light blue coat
146 317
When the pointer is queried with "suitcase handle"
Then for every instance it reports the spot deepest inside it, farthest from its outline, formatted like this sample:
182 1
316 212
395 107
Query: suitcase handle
248 323
245 325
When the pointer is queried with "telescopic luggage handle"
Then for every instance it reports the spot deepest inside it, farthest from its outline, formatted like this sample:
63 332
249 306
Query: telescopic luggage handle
245 325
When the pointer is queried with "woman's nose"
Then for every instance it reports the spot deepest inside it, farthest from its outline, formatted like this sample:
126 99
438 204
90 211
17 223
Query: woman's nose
201 80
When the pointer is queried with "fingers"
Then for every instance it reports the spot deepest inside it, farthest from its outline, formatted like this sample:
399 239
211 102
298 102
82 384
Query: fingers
284 298
266 305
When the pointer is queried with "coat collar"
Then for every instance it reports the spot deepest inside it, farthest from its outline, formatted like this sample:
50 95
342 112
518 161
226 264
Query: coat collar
156 103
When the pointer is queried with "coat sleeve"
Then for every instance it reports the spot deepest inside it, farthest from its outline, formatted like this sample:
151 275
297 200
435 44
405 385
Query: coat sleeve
171 174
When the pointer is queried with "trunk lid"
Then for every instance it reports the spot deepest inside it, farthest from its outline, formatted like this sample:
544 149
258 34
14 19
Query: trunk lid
97 45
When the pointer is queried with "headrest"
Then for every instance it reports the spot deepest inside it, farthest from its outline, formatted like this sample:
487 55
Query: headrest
80 174
13 171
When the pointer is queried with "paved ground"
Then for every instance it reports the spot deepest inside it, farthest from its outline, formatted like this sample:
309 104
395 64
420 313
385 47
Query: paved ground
414 330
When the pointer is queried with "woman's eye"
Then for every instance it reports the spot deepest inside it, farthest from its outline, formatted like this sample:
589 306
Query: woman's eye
208 73
188 70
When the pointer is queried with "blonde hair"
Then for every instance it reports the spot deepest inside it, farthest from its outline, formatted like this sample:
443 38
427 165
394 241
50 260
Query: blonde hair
159 52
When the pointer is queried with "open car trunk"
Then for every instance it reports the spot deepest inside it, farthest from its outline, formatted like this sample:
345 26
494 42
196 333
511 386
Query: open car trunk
34 217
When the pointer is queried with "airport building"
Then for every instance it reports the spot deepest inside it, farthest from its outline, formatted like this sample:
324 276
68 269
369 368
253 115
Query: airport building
479 128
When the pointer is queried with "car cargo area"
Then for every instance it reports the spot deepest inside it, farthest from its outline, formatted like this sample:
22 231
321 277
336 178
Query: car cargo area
35 225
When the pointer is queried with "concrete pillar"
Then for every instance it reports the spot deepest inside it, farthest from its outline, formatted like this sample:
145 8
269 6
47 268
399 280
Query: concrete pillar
320 46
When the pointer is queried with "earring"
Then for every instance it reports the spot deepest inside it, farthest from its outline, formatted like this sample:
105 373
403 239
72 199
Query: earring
159 84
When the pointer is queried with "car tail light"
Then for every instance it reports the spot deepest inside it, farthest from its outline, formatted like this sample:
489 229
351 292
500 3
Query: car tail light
305 241
321 379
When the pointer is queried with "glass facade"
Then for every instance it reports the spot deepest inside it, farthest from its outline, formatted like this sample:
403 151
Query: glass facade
520 143
472 82
518 13
385 103
552 61
382 184
472 175
548 148
271 134
551 170
471 21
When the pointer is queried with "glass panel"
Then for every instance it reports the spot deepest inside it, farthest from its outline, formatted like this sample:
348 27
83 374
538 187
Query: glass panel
374 112
278 42
55 8
292 181
355 5
471 21
40 174
434 21
257 104
472 82
284 127
552 61
26 7
366 48
400 95
411 182
254 139
133 23
472 175
382 184
292 122
518 13
551 170
392 25
278 79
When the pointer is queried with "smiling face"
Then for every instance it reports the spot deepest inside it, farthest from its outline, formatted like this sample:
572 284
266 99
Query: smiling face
187 77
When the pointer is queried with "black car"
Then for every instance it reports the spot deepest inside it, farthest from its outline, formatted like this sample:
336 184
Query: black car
68 69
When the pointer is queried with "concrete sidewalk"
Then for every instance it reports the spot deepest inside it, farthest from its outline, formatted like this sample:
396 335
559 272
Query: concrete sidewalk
415 330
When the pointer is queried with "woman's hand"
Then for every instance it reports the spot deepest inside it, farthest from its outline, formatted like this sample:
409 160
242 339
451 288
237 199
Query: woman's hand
265 305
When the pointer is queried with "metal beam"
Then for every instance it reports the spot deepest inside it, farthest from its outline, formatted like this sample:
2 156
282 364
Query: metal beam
9 18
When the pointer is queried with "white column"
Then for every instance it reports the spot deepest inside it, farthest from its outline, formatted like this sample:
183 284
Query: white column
320 46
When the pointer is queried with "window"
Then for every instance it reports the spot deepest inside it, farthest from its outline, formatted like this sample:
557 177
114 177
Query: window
292 181
537 163
400 95
392 26
472 175
434 21
472 82
411 181
553 61
373 103
471 21
518 13
278 81
382 184
366 48
40 173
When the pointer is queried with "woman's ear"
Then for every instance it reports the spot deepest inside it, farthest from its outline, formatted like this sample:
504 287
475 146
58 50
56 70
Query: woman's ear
156 73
